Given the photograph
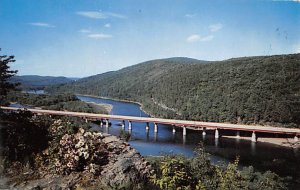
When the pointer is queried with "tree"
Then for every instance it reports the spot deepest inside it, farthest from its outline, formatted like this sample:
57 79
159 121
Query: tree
5 74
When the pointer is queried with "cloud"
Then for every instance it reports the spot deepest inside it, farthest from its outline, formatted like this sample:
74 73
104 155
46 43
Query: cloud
42 24
84 31
197 38
99 36
215 27
100 14
190 15
107 25
298 1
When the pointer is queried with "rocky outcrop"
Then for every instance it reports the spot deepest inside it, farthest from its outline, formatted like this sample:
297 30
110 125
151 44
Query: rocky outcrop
126 169
126 166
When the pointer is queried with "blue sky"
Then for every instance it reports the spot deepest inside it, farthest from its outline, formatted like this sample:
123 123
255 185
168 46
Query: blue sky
81 38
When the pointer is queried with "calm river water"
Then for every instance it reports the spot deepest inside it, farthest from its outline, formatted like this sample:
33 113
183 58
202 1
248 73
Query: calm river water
263 156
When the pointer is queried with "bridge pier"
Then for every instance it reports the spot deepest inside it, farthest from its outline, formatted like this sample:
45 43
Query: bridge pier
101 123
129 125
238 136
253 137
147 126
123 124
217 133
296 139
155 127
86 120
184 131
204 131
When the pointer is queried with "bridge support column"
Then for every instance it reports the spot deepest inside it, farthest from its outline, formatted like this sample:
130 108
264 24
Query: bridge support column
129 125
107 123
147 126
184 131
174 130
253 137
296 139
86 120
155 128
217 134
204 131
123 124
101 123
238 136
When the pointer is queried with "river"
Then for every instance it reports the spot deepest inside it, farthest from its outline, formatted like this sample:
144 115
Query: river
263 156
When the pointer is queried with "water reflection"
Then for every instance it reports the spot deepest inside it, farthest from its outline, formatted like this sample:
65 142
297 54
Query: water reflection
253 148
184 139
155 137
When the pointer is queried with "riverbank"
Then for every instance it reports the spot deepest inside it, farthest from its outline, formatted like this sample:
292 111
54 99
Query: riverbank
285 142
107 107
116 99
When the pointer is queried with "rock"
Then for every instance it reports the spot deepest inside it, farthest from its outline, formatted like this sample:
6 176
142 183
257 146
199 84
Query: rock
128 167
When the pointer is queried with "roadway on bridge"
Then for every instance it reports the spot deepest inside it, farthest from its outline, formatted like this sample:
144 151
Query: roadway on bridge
178 123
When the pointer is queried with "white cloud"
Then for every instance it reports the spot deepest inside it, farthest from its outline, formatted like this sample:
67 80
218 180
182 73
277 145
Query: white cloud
100 14
197 38
100 36
42 24
84 31
193 38
92 14
215 27
190 15
115 15
107 25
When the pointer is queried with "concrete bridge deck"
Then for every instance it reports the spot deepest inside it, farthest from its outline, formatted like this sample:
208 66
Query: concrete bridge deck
179 123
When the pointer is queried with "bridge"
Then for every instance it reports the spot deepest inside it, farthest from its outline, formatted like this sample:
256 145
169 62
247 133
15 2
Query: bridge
184 124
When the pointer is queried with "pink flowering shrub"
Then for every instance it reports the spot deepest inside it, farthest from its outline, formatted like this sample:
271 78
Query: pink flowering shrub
83 151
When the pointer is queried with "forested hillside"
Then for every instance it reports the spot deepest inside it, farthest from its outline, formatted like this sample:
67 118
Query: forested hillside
35 82
261 90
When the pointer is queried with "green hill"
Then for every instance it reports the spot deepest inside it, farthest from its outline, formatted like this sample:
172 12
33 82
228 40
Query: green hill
263 89
35 82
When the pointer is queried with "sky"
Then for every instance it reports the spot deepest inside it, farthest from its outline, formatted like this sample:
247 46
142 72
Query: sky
79 38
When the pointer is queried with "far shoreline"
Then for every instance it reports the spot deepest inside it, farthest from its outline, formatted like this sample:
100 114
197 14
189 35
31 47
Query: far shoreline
283 142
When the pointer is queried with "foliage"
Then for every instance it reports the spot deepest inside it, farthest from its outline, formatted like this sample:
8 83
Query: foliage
5 75
229 178
173 174
23 136
257 180
261 90
83 151
177 172
62 102
124 135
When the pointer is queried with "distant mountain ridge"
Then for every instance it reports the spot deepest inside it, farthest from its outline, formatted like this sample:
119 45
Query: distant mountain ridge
36 82
261 89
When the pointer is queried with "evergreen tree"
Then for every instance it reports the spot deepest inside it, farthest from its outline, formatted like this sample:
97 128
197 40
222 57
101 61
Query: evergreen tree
5 74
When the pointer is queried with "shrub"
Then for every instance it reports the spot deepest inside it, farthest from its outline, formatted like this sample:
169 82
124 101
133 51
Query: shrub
83 151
